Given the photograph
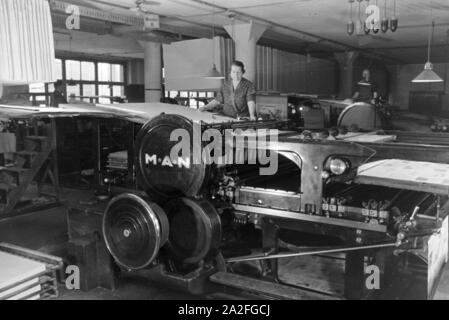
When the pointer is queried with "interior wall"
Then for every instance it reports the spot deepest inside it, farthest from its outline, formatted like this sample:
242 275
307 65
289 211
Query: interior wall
401 83
293 73
186 62
277 71
89 43
135 72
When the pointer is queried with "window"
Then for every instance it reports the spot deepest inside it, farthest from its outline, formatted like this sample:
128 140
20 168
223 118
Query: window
104 72
104 91
37 88
117 73
193 102
192 99
87 71
118 91
73 92
89 93
58 63
73 70
85 81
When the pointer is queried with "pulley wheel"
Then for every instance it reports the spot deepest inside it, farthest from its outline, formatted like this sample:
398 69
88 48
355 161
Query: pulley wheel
195 229
134 230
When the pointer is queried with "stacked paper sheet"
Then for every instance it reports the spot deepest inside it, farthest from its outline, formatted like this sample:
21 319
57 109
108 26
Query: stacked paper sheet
13 271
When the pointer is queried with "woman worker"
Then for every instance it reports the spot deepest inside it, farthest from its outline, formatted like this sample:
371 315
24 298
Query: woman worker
237 95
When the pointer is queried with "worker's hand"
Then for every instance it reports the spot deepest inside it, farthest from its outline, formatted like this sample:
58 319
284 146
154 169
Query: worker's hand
203 109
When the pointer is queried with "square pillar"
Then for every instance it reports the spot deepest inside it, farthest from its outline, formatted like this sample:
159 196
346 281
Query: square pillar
153 70
346 67
245 37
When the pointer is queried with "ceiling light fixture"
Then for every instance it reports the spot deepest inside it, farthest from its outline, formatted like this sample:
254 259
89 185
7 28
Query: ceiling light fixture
213 74
376 27
384 22
359 24
350 26
428 75
394 20
361 27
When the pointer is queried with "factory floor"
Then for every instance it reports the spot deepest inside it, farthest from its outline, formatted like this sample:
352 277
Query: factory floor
46 231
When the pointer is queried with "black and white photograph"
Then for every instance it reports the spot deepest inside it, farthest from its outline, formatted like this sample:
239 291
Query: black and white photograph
224 154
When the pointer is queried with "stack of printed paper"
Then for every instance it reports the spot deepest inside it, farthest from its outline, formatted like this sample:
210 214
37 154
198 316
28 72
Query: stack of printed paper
13 271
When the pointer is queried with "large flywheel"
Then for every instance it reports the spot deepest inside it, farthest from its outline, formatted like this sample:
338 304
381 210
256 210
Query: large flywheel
195 229
134 230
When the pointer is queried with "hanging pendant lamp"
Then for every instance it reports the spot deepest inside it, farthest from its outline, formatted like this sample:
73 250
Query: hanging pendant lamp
376 27
394 20
359 24
213 74
428 75
384 22
350 25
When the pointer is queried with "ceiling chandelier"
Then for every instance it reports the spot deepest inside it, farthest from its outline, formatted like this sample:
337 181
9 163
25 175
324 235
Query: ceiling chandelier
371 20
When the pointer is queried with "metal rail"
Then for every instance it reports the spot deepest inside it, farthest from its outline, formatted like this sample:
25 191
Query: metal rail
308 253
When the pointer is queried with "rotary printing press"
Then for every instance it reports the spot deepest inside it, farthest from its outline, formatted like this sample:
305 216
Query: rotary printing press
372 198
365 199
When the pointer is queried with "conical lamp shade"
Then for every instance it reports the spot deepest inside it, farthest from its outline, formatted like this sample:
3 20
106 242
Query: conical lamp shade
428 75
213 74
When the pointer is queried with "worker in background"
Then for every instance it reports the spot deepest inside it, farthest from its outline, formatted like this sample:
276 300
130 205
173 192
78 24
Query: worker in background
237 95
59 94
366 89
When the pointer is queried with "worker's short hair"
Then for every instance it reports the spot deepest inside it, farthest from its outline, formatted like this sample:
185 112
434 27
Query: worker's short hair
238 64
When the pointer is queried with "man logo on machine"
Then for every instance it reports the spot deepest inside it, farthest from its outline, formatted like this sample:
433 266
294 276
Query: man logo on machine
167 162
240 147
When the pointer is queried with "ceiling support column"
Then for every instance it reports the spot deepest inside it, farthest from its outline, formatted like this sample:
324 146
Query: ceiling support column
346 73
153 70
245 37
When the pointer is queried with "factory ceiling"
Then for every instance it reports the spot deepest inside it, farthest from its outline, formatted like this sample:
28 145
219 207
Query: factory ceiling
314 26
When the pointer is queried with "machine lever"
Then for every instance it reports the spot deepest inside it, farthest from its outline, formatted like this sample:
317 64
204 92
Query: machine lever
306 253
